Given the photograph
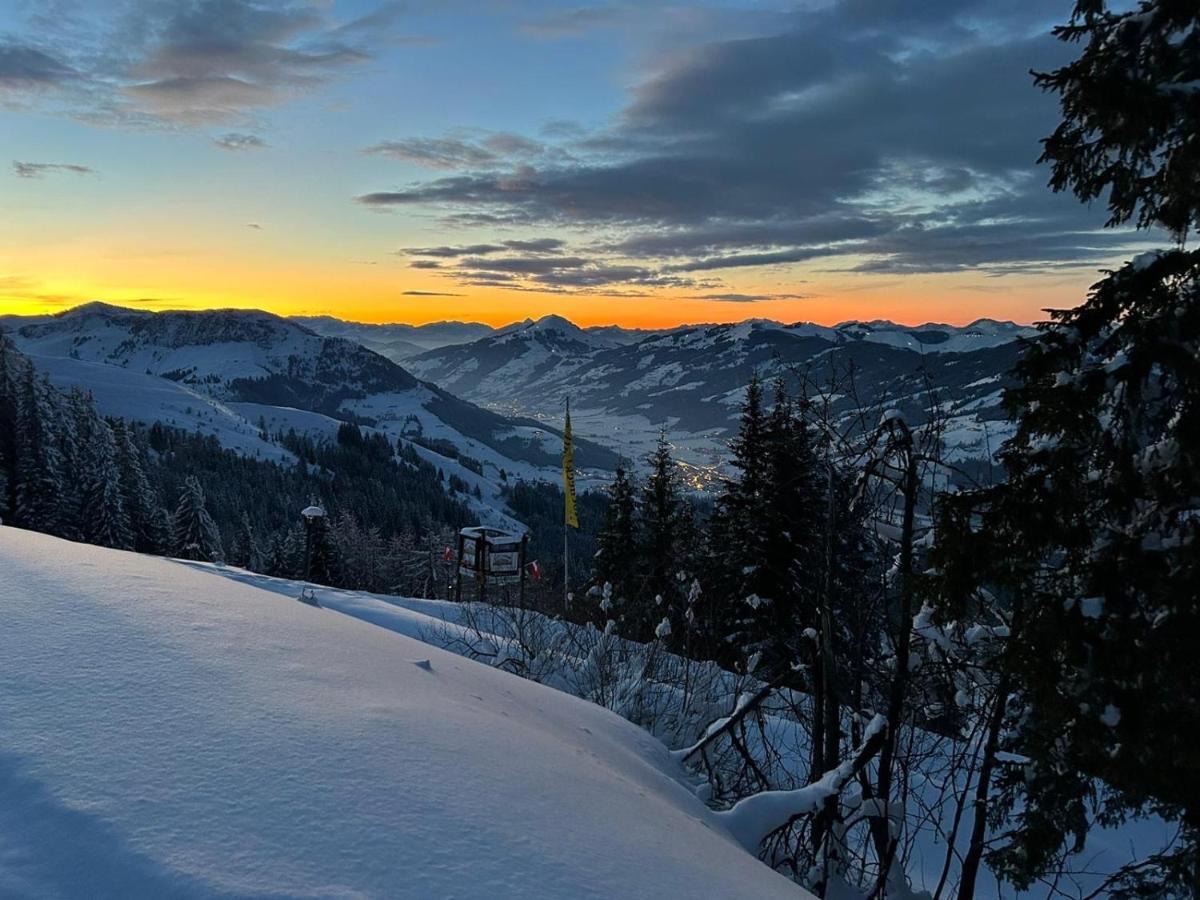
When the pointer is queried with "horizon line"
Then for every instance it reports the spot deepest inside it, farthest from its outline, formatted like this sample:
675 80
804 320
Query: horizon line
515 322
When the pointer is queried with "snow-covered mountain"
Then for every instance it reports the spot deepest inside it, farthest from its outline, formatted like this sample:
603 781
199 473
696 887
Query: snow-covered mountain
226 372
692 379
230 372
229 354
169 732
401 343
398 342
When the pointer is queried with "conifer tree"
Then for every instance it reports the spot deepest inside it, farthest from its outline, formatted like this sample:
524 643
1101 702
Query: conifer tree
148 521
9 360
765 532
664 532
321 553
735 547
278 560
39 466
103 519
616 557
160 530
196 535
291 552
246 552
1093 539
792 519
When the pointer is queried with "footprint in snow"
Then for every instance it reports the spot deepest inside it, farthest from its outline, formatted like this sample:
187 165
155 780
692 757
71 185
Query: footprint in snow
422 664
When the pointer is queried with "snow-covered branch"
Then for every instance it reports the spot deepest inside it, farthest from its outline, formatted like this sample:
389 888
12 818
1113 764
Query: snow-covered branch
752 819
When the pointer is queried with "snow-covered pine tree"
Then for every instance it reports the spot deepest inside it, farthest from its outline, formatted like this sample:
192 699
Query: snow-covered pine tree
102 515
616 556
735 547
1092 540
148 521
160 535
365 561
665 529
791 522
322 554
196 535
767 529
246 552
40 481
8 428
280 555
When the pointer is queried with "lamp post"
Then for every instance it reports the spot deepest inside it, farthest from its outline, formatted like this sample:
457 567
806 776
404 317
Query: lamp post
313 516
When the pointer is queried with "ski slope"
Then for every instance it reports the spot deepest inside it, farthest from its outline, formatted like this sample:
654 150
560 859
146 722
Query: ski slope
167 732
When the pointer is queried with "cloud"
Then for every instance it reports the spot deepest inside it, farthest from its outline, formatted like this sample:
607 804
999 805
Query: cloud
897 137
429 294
547 271
254 225
190 63
533 245
434 153
524 265
30 290
485 150
742 260
216 58
235 140
448 252
537 245
23 66
39 170
749 298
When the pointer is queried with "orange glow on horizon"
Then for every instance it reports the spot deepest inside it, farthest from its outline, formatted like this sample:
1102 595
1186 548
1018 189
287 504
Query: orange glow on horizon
156 259
376 304
390 292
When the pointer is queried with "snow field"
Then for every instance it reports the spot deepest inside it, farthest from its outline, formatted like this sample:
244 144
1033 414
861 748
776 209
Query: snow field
164 732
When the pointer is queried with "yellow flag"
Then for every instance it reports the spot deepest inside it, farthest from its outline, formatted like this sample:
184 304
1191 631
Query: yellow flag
568 467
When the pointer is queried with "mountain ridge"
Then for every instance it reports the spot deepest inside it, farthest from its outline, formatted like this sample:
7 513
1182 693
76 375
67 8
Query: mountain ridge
221 371
505 390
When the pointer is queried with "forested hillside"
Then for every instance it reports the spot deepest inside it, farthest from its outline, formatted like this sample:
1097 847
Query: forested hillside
70 472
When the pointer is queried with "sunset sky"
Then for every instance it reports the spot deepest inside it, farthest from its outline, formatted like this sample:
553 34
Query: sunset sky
645 164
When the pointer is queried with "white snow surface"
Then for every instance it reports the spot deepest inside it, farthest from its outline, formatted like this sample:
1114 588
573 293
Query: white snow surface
167 732
134 395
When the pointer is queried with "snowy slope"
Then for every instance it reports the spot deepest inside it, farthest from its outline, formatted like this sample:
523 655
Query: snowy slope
148 398
458 627
165 732
692 380
489 509
193 369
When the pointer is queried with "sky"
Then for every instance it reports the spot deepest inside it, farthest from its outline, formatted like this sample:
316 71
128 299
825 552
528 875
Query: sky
645 164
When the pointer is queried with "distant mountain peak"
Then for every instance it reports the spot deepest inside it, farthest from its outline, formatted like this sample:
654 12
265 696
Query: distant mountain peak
98 308
556 333
556 321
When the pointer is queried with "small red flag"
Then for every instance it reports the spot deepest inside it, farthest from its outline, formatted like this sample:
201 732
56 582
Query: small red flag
535 570
448 554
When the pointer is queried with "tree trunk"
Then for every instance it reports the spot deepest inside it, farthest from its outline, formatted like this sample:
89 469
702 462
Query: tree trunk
903 643
974 854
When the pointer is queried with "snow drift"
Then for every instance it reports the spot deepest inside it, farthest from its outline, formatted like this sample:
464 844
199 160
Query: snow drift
166 732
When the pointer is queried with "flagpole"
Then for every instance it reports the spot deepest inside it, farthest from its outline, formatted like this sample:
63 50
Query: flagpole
566 523
569 501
